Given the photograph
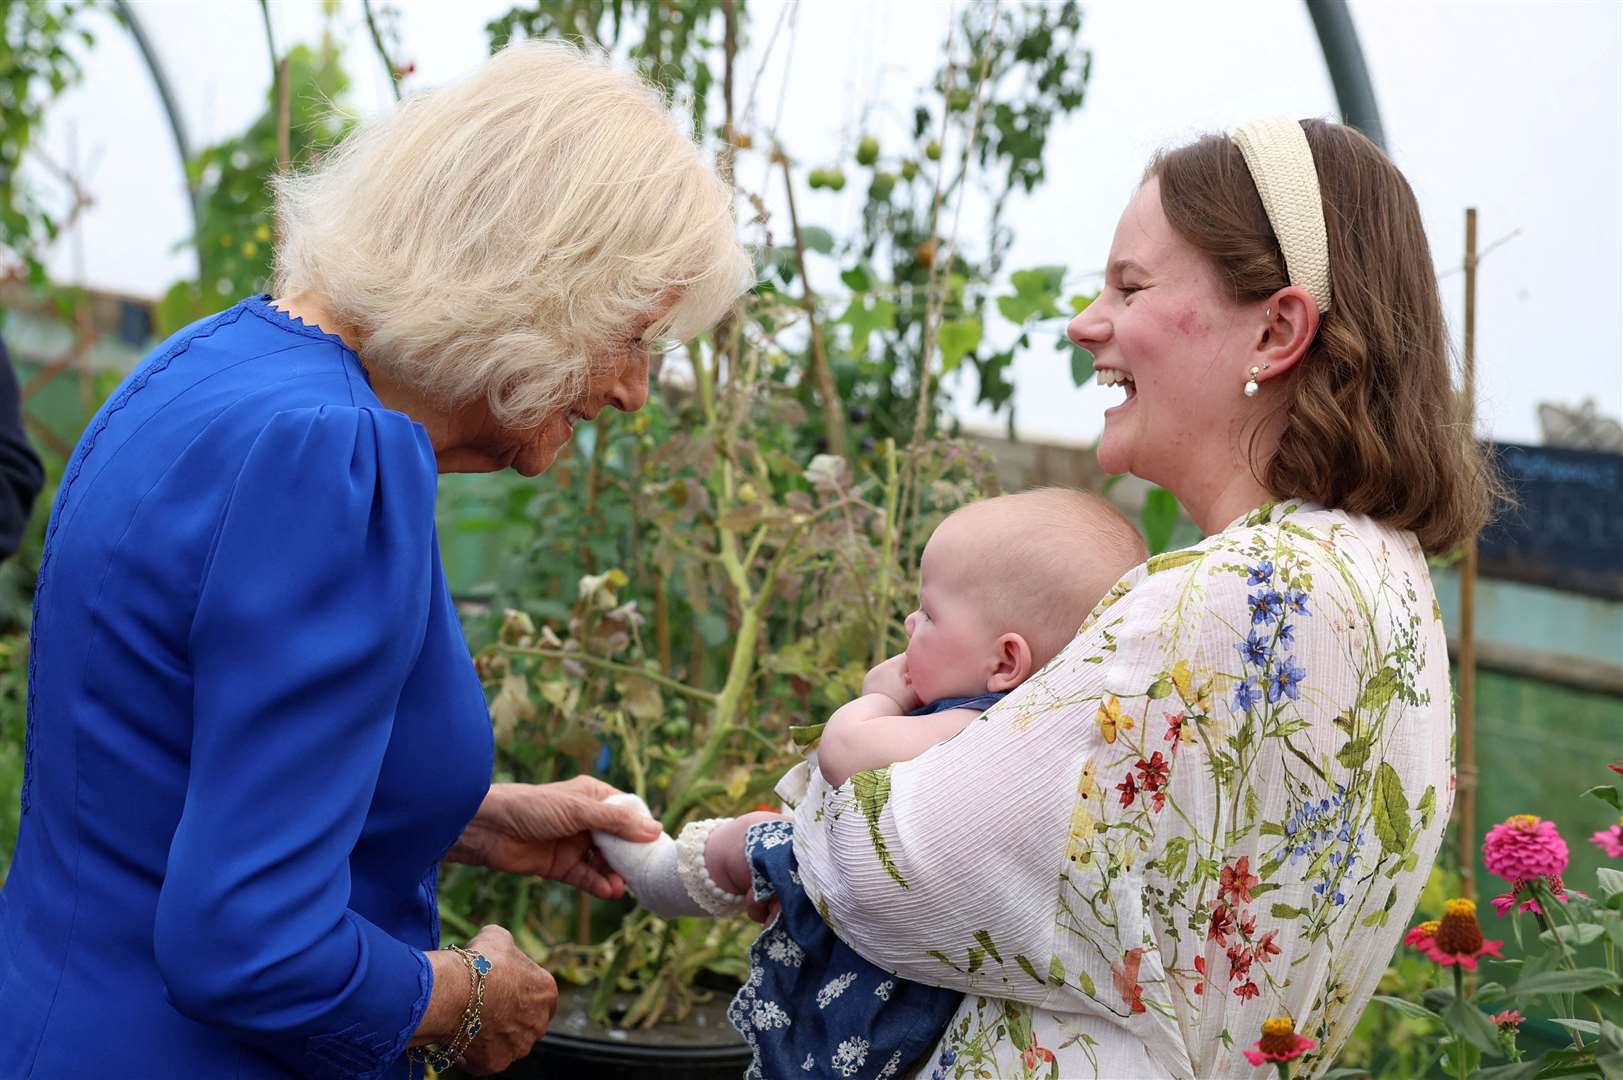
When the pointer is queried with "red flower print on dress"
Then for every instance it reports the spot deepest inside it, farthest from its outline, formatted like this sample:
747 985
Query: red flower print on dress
1265 949
1222 925
1128 789
1247 991
1236 881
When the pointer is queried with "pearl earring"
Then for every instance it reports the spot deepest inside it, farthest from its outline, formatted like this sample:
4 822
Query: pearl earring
1251 383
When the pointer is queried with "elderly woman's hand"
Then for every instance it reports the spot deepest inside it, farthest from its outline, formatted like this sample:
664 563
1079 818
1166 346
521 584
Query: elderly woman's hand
520 998
546 829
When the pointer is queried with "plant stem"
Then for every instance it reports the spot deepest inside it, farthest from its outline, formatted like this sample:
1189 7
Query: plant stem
887 555
383 52
611 665
1462 1065
822 375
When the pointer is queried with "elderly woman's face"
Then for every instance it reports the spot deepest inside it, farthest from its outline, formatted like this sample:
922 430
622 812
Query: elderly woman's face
1164 327
622 381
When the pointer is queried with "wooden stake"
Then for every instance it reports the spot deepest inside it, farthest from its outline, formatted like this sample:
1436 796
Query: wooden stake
1465 723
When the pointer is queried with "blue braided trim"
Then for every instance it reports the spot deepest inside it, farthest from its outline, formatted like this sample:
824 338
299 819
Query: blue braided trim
75 466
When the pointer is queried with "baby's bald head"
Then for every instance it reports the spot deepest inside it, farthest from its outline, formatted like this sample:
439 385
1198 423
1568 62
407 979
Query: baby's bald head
1037 562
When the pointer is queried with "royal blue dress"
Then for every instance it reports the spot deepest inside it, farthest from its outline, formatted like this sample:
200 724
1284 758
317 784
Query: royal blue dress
253 727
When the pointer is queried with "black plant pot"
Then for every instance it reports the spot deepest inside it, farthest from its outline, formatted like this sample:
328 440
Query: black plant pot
702 1047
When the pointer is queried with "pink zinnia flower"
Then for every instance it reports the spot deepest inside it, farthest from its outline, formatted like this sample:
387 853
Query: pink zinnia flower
1459 939
1505 901
1279 1042
1419 937
1610 840
1525 848
1509 1020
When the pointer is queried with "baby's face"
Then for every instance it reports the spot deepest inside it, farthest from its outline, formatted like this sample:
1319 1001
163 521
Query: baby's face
951 651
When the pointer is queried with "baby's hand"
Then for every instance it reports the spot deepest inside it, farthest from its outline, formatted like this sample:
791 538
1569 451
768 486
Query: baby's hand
890 678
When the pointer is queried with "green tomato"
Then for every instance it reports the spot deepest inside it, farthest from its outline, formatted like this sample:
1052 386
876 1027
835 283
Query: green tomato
817 178
932 150
910 169
836 179
867 150
959 100
882 185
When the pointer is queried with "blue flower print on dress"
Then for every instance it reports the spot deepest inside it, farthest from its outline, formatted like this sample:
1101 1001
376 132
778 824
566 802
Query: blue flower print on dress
1265 606
1254 650
1286 681
1246 695
1297 602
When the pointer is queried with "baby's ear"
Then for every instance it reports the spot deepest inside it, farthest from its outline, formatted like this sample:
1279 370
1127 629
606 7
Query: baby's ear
1014 661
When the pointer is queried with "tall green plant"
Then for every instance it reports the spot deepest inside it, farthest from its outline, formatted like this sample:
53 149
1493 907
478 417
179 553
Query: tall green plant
236 221
38 62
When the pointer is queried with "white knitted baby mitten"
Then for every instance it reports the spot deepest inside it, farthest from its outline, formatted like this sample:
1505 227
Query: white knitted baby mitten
668 877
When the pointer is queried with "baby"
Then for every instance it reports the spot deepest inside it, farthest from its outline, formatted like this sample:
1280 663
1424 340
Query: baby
1003 586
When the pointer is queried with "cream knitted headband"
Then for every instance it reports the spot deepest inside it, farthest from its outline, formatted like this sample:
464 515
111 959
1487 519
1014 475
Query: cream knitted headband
1281 164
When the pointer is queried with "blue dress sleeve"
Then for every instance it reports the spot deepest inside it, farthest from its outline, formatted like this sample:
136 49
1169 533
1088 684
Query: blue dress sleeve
311 612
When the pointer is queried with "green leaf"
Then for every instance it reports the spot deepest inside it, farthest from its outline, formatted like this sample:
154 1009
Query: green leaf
856 279
943 957
1407 1008
985 941
1173 559
958 338
1056 972
1474 1024
1428 803
866 316
1517 1070
1026 966
1159 518
1580 934
1353 754
1286 911
1588 1027
1081 363
1159 689
711 627
1378 691
1565 982
1344 1073
977 957
1607 794
1079 302
1611 881
1391 810
818 239
1086 981
872 790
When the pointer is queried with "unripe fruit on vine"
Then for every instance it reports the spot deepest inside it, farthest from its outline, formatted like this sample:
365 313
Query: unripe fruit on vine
867 150
926 253
817 178
910 169
959 100
932 150
882 185
836 179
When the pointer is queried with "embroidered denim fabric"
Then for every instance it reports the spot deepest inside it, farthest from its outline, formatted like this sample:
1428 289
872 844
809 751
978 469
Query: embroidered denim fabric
811 1006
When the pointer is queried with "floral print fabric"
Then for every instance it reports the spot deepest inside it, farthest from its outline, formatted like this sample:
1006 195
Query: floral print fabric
1218 804
811 1006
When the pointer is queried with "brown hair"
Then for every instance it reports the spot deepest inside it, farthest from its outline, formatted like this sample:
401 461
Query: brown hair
1372 424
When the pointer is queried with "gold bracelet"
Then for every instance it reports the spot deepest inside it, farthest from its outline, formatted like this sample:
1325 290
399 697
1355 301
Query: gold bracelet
444 1056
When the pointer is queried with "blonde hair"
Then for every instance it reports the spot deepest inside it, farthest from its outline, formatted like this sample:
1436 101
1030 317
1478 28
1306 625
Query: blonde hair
1044 559
502 235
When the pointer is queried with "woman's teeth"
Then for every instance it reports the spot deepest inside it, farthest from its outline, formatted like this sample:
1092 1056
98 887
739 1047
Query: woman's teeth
1112 377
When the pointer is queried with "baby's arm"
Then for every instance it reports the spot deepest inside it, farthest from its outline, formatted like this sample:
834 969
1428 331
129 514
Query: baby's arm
869 733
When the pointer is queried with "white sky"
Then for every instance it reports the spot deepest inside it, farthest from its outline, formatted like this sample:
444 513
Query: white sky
1515 107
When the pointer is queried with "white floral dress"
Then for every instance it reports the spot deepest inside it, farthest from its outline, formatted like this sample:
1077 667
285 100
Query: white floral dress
1218 804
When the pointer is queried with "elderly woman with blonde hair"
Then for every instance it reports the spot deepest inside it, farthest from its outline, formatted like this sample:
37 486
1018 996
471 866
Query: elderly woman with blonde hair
254 728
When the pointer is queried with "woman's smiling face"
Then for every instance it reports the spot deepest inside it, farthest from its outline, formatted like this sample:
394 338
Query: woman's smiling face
1164 327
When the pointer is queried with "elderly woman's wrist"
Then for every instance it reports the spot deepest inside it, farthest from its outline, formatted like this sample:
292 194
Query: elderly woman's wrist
447 1001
